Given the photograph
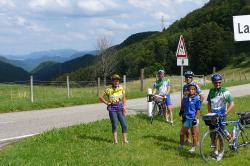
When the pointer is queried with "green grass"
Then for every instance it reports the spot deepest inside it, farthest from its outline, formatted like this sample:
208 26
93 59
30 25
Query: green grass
16 97
91 144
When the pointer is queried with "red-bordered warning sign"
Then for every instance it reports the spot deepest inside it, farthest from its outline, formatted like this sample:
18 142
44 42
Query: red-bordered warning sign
181 50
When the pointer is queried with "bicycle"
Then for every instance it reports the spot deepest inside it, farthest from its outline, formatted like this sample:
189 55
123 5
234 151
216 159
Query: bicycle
213 144
159 106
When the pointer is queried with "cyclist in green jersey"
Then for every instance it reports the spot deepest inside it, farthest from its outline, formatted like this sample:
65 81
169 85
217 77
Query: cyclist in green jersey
162 86
220 101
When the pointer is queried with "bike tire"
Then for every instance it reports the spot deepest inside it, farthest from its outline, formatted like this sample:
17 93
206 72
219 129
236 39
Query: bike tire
243 137
208 148
154 112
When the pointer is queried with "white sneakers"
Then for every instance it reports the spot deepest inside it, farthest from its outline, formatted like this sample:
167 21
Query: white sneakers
192 150
125 142
217 156
181 147
220 155
172 123
116 142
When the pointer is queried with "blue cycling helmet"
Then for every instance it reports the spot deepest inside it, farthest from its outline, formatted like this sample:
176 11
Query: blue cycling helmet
216 77
189 73
192 85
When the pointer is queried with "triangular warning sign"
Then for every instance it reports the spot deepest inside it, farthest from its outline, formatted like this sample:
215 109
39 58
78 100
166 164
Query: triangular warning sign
181 50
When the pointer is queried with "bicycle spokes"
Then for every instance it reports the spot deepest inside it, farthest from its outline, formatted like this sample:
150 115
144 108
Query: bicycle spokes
212 146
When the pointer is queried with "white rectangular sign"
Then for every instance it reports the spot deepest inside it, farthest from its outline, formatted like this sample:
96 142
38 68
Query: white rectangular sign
182 62
241 28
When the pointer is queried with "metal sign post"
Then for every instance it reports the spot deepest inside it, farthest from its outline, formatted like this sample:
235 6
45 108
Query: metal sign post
182 59
181 81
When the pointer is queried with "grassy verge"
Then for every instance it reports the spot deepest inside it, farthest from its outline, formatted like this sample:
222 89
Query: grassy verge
91 144
15 97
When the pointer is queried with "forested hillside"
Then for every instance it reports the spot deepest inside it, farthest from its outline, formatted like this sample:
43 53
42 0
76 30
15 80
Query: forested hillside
208 34
10 73
50 71
209 39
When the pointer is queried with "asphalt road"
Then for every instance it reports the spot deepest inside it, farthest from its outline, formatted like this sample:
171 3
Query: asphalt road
18 125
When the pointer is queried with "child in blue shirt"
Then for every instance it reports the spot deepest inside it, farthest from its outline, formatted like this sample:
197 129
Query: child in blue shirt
190 107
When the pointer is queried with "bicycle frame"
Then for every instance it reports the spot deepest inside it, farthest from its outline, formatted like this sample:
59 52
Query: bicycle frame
213 141
239 131
158 103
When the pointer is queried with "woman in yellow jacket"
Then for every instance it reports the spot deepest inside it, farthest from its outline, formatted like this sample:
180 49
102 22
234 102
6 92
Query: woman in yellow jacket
115 101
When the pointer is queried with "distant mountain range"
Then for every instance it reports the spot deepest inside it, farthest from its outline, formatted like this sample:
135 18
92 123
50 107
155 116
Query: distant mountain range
50 70
30 61
208 34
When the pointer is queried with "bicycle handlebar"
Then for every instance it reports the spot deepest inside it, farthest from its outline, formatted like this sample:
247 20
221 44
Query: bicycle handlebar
152 97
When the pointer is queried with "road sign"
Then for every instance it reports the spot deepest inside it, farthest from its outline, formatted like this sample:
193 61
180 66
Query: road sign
241 28
182 62
182 59
181 49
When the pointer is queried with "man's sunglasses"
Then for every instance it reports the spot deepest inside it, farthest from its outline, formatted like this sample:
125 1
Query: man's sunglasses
217 82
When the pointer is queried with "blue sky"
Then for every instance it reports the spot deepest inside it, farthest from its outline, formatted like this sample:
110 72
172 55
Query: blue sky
35 25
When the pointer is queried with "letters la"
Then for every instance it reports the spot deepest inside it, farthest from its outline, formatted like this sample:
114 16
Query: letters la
244 29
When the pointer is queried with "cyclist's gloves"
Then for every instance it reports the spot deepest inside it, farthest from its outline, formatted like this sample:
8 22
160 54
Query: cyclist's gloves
180 113
195 122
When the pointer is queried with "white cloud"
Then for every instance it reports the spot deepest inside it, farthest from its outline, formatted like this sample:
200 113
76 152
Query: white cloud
50 5
68 25
92 6
97 5
109 23
39 3
63 3
76 23
123 16
104 32
77 35
7 3
114 25
142 4
21 20
160 14
165 3
200 2
37 28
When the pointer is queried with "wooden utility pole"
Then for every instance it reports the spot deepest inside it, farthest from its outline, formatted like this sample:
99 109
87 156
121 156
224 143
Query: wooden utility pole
68 86
98 85
142 79
124 82
31 89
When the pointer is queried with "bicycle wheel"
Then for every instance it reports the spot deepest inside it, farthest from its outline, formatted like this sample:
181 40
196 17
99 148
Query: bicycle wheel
243 137
212 145
154 112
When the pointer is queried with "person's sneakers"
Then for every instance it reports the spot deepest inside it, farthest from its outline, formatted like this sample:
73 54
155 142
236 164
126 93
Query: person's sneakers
220 155
214 155
125 142
192 150
172 123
